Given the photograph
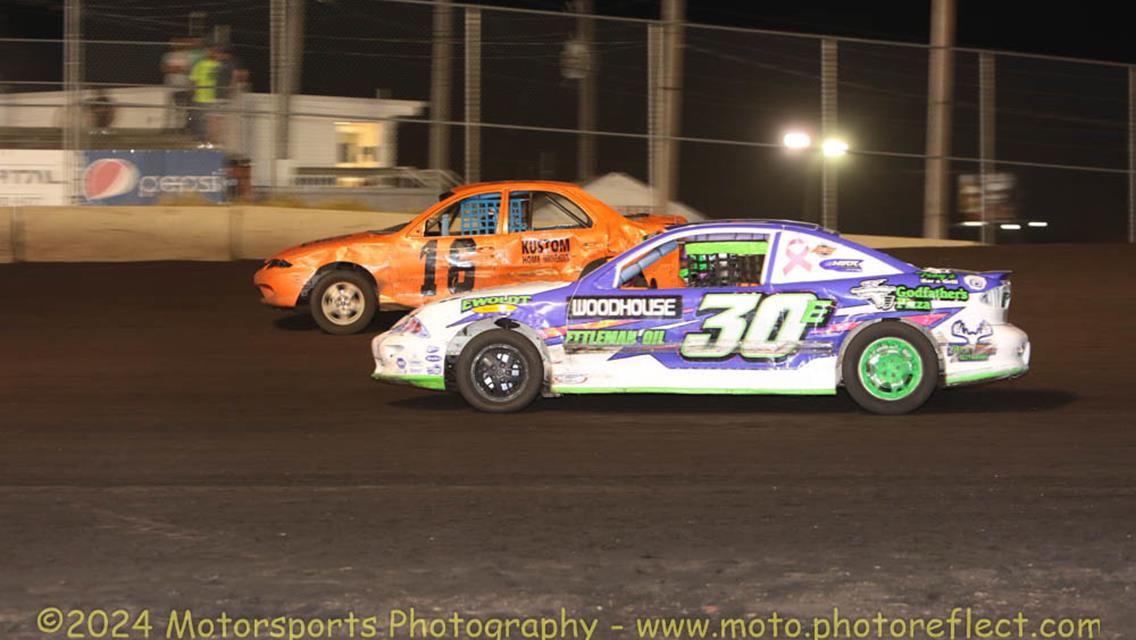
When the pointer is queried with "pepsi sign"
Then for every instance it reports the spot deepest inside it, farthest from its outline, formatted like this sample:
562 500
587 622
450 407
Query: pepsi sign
148 176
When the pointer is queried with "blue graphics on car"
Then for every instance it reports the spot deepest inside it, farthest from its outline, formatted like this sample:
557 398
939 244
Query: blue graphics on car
740 307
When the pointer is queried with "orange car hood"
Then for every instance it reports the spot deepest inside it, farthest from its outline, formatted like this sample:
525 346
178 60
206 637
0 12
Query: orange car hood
332 243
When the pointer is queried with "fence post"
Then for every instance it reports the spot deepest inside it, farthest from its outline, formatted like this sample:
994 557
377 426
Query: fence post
828 119
72 125
1131 154
936 198
987 149
654 126
472 94
441 76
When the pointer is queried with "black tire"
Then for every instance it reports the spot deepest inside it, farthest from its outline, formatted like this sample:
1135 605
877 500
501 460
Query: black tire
892 378
343 302
510 354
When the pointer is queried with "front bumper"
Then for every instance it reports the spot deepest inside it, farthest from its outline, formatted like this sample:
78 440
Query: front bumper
408 359
280 286
1010 358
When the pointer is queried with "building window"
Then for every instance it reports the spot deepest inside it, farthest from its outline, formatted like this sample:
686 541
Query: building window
357 144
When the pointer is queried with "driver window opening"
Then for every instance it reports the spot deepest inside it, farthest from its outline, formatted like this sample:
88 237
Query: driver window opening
700 262
544 211
474 216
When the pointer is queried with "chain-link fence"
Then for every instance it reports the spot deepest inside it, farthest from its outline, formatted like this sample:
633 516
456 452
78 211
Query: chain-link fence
1041 146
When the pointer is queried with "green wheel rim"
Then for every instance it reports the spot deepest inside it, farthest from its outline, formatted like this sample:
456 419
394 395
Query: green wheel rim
890 368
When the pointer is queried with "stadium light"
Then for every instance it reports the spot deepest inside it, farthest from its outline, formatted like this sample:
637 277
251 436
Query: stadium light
1011 226
797 140
1038 223
834 147
973 223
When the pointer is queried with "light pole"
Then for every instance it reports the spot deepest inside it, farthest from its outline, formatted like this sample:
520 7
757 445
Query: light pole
800 142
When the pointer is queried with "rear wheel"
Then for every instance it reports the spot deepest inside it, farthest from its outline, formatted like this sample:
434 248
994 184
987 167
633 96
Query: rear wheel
499 371
343 302
890 368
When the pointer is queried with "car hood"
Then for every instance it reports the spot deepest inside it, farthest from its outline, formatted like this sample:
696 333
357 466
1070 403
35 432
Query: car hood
345 241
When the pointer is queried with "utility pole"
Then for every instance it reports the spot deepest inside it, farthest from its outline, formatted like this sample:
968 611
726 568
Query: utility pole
670 88
1131 154
936 194
987 153
828 116
287 43
441 78
472 94
586 97
73 83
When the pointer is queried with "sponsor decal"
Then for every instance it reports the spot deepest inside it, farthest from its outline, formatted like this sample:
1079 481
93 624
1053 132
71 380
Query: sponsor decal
824 250
544 250
433 358
433 349
921 297
875 291
613 337
625 307
109 177
971 345
494 304
401 363
144 176
434 370
845 265
796 256
977 283
28 176
937 276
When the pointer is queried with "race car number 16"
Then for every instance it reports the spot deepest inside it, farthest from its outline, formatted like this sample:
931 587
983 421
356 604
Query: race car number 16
776 326
460 276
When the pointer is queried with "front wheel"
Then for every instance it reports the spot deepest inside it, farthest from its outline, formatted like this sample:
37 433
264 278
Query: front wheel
343 302
890 368
499 371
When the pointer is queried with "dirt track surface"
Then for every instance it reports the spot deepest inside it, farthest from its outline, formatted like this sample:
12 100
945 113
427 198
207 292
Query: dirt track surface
168 442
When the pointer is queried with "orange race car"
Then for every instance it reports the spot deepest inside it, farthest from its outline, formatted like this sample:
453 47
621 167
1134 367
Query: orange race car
476 236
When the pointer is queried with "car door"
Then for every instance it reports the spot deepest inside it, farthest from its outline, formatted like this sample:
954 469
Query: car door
687 314
550 237
456 250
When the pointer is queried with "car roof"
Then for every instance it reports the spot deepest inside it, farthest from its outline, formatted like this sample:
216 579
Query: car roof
757 222
523 184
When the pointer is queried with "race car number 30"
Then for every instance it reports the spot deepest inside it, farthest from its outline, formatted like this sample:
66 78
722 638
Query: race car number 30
754 326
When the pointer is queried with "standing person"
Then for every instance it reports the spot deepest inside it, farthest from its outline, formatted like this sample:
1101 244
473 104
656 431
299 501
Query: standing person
175 65
231 79
203 75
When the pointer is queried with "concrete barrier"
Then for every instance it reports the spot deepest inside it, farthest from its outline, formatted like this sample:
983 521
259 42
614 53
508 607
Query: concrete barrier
130 234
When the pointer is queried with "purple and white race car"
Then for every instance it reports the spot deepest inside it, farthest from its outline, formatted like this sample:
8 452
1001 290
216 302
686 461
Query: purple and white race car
753 307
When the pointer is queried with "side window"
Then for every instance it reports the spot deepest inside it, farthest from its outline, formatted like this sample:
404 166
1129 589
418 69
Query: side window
473 216
723 263
704 261
544 211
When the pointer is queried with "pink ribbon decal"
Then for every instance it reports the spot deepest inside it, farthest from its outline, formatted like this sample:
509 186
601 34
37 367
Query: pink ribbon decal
796 258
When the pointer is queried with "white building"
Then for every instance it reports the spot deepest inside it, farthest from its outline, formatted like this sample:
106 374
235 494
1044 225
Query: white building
326 132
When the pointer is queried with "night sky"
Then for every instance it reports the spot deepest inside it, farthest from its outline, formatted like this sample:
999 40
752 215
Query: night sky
738 86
